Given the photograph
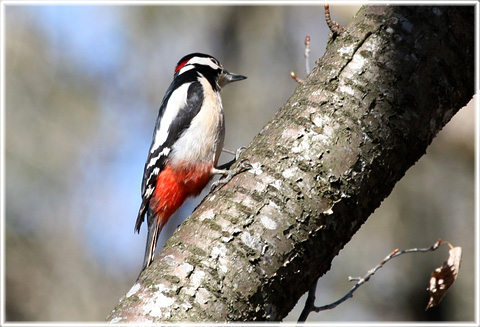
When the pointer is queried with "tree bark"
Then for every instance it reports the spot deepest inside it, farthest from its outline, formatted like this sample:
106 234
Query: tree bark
324 163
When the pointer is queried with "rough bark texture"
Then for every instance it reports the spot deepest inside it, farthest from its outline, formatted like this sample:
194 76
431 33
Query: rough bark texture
324 163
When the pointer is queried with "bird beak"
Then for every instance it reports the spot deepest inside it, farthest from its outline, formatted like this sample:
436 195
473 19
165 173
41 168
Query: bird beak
227 77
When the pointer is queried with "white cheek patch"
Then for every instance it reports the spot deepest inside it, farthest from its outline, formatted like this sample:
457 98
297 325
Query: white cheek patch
177 100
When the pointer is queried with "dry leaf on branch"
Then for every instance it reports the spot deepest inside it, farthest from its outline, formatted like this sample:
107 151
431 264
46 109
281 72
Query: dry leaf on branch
443 277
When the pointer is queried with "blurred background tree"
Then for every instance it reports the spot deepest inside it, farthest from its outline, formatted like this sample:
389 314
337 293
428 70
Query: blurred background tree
83 85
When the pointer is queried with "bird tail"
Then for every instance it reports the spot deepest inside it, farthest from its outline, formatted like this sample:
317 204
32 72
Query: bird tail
154 230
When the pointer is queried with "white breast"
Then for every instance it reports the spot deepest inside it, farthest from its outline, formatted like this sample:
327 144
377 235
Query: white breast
203 140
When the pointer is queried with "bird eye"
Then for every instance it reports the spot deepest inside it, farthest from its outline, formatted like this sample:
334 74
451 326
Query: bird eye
215 61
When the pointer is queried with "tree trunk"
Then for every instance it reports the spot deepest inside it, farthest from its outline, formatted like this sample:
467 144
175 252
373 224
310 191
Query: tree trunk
324 163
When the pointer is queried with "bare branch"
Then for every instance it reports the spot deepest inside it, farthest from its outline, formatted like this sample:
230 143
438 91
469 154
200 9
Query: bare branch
309 303
310 307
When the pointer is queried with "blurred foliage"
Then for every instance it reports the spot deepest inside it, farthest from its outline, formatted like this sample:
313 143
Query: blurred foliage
83 85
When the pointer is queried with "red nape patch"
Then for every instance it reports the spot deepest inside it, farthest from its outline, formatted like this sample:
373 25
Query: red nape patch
180 65
175 185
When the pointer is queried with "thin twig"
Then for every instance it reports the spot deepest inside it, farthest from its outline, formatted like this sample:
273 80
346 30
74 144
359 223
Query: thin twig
307 54
361 280
335 27
307 57
295 77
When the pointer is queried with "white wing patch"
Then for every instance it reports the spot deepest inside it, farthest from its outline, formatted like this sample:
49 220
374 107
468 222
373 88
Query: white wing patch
153 161
148 192
150 187
177 100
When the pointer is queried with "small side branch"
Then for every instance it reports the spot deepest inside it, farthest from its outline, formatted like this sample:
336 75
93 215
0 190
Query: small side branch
335 27
307 54
296 78
307 64
310 306
309 303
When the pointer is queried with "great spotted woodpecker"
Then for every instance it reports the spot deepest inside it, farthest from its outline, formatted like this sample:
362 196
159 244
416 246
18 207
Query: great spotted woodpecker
186 145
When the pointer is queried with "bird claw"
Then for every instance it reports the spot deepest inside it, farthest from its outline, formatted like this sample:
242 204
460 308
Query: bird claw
228 174
244 165
239 152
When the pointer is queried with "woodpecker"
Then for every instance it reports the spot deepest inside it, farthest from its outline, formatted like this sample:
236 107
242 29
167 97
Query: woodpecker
187 142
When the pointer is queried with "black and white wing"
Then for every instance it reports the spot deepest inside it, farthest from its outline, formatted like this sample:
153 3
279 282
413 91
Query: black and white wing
180 105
